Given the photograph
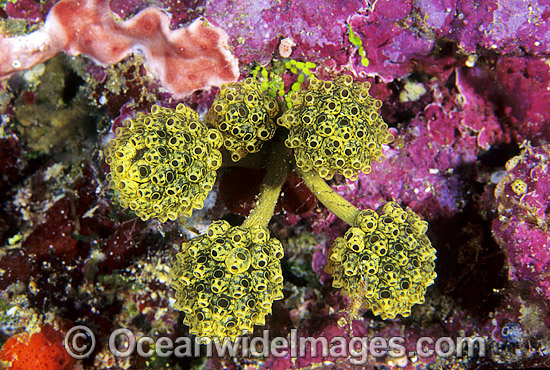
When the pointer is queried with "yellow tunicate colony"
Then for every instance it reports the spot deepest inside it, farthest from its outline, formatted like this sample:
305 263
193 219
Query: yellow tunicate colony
227 280
335 127
163 164
386 261
244 116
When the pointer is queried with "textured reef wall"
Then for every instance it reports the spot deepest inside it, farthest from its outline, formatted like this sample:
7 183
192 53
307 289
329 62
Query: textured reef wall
453 132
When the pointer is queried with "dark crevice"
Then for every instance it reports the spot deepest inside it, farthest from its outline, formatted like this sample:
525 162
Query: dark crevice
292 278
498 155
72 85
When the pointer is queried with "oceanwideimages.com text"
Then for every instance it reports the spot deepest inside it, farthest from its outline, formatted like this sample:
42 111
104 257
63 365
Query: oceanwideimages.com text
80 343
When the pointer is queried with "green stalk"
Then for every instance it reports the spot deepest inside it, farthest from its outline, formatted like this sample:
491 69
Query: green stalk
334 202
278 167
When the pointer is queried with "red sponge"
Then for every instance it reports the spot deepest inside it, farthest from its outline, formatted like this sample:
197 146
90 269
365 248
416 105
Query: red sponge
40 351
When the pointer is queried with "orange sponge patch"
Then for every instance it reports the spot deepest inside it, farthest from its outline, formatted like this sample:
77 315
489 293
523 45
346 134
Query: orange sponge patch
40 351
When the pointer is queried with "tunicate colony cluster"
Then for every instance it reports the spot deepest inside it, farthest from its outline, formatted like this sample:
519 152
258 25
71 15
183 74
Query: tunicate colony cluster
244 116
387 258
163 165
227 280
335 128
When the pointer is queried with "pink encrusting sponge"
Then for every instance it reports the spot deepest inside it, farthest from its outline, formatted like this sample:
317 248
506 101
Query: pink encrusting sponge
185 60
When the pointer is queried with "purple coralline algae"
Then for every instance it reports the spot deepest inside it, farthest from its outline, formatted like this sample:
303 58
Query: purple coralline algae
32 11
257 27
523 201
422 168
523 85
398 40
